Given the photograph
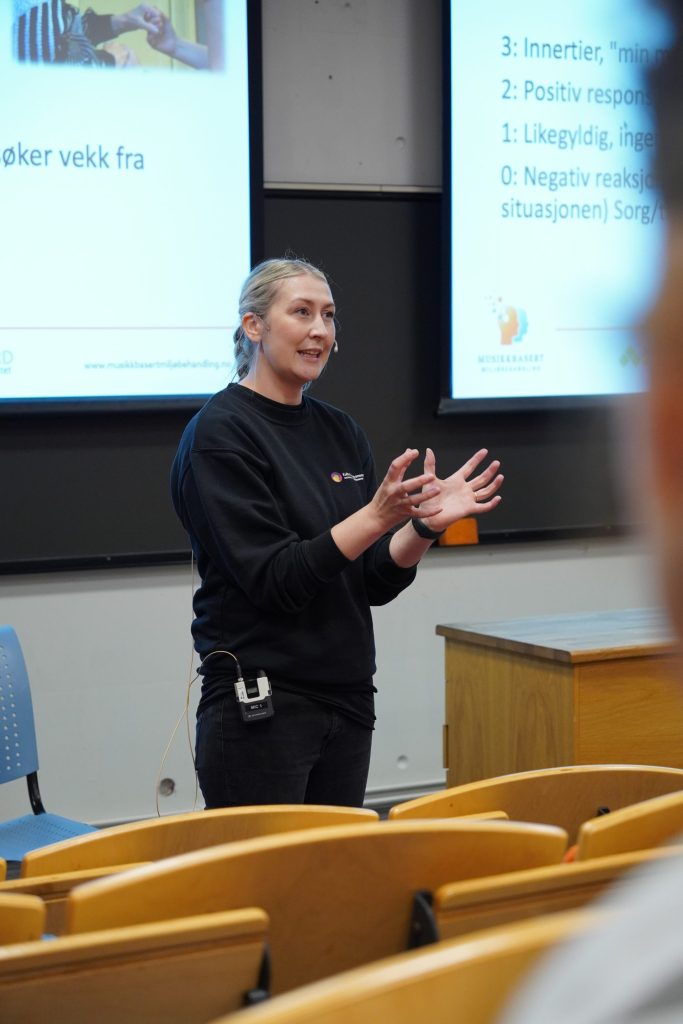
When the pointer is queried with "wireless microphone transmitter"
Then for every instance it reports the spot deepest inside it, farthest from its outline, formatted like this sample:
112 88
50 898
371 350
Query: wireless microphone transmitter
254 697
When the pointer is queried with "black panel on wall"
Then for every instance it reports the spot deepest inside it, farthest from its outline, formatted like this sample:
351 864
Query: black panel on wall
89 489
92 489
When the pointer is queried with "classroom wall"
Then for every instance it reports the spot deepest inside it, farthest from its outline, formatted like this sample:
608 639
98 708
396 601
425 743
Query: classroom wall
108 649
108 653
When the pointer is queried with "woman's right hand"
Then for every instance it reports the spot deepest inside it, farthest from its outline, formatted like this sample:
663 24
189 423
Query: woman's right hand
395 500
398 498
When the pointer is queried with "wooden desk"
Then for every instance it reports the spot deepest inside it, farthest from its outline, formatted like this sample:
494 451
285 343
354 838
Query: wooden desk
561 689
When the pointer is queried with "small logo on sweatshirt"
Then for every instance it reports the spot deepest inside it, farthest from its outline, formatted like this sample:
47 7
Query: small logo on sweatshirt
341 477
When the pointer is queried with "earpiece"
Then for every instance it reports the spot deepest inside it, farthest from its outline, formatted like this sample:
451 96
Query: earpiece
335 347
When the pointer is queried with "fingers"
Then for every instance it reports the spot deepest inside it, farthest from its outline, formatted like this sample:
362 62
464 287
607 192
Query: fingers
473 462
430 462
405 496
426 494
487 506
484 486
400 464
488 474
484 478
150 18
418 489
487 497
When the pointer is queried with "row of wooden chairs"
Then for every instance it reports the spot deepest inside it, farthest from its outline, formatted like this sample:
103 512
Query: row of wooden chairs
333 898
51 872
561 796
63 865
184 971
641 827
567 797
476 902
206 968
146 972
466 981
336 897
470 979
328 900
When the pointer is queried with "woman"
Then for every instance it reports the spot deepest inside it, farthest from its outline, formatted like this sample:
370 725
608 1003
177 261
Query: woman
294 542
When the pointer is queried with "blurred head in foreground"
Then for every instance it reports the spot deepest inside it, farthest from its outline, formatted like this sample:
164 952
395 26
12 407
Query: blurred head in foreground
626 966
664 325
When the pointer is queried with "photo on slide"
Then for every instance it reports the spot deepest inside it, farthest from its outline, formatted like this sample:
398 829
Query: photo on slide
167 35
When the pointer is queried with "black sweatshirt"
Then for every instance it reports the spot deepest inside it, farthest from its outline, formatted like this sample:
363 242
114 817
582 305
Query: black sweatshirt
258 486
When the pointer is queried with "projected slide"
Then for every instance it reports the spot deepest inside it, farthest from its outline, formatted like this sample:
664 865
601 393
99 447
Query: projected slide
556 228
124 197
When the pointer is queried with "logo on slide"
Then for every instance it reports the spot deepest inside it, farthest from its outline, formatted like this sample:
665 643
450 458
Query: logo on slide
630 355
512 322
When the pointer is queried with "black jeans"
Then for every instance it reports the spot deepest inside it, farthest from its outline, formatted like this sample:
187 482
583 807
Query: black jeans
307 753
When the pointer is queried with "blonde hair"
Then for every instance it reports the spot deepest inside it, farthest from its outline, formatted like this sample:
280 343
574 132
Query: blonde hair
258 293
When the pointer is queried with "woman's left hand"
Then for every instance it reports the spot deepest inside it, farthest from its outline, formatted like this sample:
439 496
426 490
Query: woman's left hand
459 495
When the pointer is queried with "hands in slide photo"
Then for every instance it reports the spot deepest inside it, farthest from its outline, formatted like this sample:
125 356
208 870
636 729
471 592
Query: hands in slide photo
162 37
144 16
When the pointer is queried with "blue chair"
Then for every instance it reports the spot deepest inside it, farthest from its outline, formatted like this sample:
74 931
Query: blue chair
19 757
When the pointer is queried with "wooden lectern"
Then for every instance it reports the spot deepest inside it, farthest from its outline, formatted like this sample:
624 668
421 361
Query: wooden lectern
561 689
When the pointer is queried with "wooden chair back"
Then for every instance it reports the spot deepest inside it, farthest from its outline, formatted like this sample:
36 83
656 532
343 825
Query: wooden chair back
172 972
335 897
22 919
638 827
53 891
462 982
565 796
156 838
473 904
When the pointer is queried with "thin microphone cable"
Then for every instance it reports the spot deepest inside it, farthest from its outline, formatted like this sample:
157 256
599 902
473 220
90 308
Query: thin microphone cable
185 713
